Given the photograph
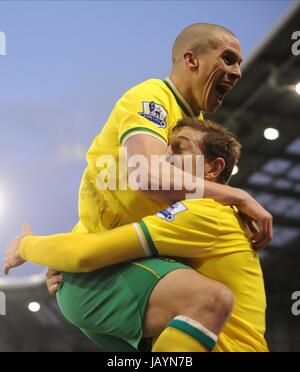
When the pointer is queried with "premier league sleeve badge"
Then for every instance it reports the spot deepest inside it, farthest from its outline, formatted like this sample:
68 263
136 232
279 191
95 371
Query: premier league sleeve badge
155 113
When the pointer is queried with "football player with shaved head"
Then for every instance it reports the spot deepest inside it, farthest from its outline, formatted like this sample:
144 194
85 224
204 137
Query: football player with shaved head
206 66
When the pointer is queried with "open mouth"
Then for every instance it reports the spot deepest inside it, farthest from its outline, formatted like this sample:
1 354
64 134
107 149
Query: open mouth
221 90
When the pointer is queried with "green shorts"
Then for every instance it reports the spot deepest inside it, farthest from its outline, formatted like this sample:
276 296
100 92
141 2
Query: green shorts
109 305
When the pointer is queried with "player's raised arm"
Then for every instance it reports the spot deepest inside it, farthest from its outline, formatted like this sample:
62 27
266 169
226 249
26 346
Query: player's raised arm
186 229
64 252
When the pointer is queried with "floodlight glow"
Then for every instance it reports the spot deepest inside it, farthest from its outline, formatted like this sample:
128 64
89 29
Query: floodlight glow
34 307
236 170
298 88
271 134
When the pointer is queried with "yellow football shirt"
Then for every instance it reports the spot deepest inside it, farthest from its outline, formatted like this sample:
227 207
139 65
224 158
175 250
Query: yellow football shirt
204 234
215 243
153 108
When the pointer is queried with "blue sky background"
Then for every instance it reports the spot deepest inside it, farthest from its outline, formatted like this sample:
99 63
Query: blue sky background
67 63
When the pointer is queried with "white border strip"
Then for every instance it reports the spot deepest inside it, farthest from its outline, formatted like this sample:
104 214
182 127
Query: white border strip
198 326
142 240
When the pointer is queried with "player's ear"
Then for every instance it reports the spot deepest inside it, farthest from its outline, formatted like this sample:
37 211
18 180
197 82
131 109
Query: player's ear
215 168
190 60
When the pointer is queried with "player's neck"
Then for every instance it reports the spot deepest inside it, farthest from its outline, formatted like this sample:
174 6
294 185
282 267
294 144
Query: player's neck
184 88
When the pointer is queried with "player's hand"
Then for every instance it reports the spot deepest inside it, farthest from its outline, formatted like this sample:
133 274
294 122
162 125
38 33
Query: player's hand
53 280
261 222
12 258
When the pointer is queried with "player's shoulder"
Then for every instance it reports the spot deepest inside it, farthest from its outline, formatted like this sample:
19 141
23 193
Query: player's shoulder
202 203
155 88
209 207
150 84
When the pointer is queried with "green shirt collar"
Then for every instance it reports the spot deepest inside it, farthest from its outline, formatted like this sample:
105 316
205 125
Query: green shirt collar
185 107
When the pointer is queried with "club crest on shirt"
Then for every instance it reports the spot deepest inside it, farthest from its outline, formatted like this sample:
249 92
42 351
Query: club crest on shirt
170 213
155 113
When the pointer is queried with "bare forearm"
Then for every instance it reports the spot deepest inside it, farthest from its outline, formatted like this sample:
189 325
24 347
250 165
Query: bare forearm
172 184
224 194
156 177
169 183
193 188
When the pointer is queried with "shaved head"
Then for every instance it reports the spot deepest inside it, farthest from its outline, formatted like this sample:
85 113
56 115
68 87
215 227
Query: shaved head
206 65
198 38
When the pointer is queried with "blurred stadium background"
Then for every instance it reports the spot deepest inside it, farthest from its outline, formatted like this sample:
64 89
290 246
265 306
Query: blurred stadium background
265 98
264 111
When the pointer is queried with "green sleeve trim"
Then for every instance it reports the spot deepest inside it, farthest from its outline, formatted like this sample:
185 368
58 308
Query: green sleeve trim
193 332
141 129
148 237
